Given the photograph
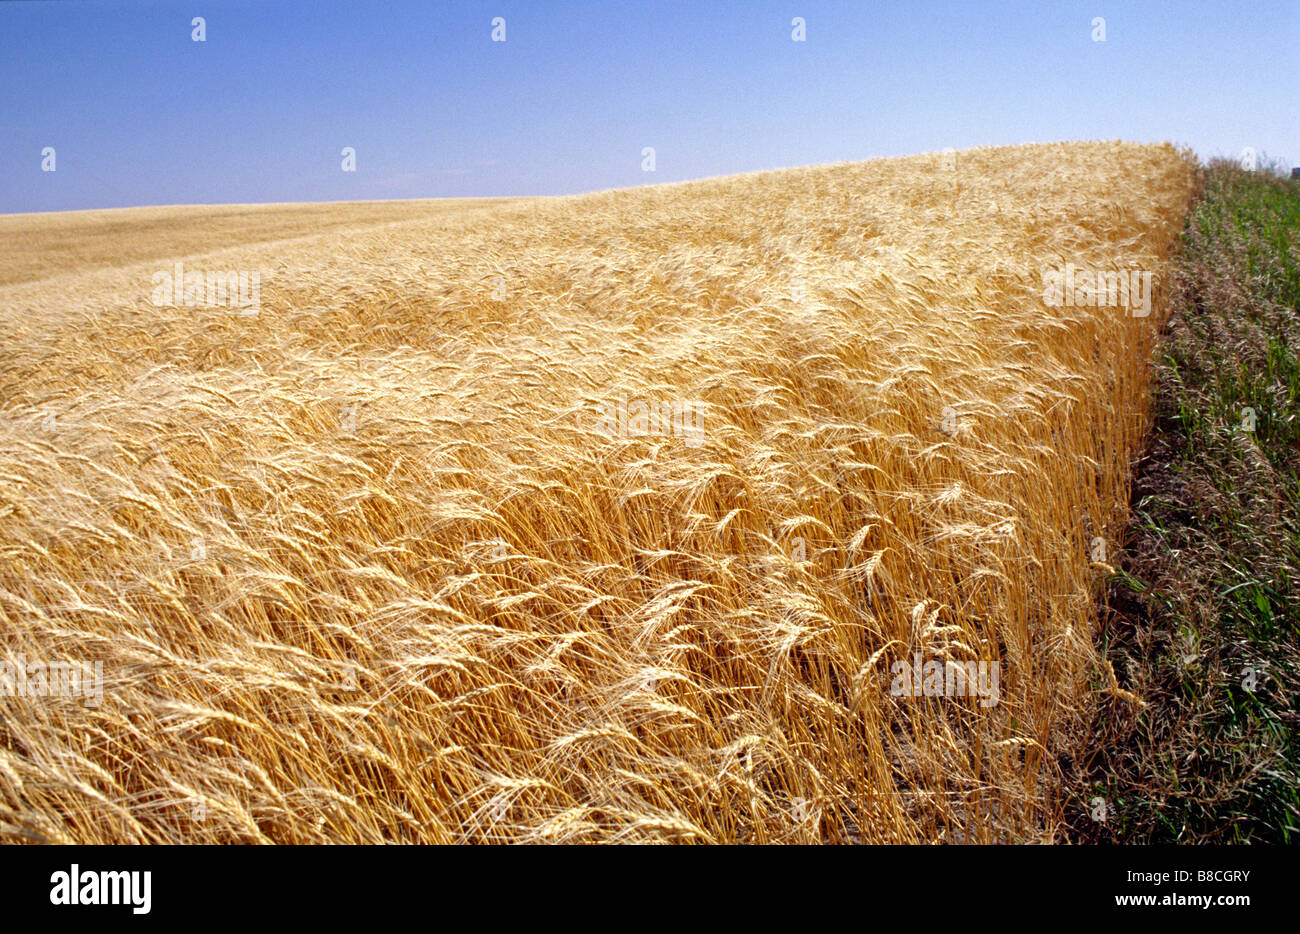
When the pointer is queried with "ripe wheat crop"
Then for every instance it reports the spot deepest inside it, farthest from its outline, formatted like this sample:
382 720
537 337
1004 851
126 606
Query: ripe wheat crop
607 518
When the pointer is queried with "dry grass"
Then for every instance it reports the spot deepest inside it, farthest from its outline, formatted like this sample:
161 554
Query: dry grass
41 246
362 568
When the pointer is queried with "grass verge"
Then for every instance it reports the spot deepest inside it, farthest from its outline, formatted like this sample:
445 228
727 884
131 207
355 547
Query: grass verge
1202 621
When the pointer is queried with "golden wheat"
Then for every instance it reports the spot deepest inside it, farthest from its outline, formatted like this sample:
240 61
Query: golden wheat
375 565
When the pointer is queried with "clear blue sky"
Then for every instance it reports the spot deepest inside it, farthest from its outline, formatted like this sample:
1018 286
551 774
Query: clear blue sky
138 113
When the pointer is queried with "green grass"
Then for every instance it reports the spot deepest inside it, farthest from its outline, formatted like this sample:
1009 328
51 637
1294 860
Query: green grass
1209 585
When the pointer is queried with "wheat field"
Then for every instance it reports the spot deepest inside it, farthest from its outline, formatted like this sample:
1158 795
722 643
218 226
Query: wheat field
604 518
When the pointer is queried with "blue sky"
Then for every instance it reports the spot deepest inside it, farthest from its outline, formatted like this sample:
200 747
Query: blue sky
139 113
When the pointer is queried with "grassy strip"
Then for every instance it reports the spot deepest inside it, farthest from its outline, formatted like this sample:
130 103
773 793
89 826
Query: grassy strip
1204 609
